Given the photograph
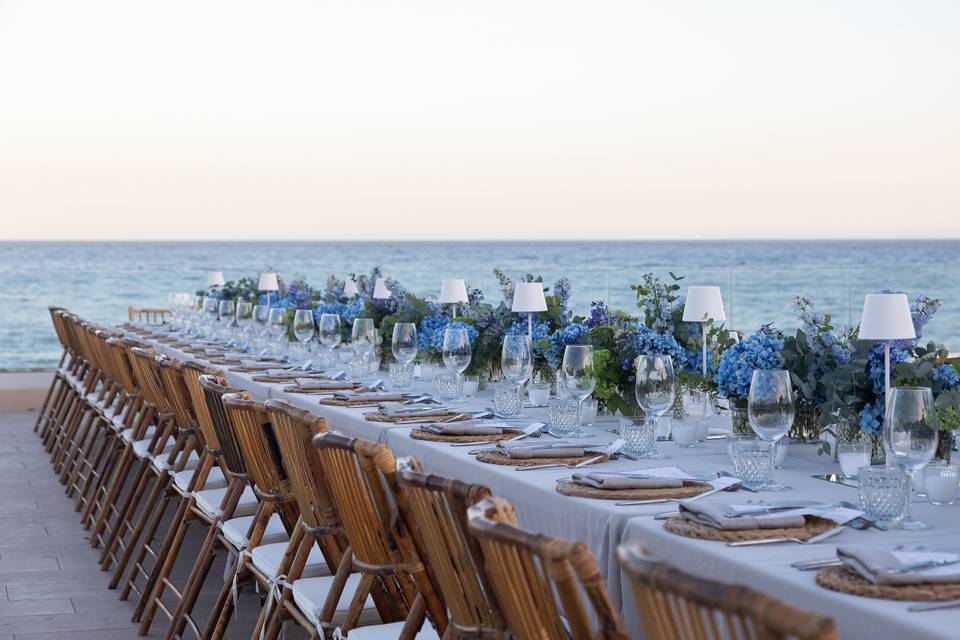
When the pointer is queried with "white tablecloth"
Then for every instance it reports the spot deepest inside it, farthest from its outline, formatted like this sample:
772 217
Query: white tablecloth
602 526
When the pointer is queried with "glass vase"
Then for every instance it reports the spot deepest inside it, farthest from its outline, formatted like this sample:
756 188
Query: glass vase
944 446
806 424
741 421
878 454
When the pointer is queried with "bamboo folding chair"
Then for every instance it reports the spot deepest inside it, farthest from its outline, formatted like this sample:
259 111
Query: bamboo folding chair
60 385
314 603
134 424
209 508
262 544
540 581
182 381
436 509
168 451
677 605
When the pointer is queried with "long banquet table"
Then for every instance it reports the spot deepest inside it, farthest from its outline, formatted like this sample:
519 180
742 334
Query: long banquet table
602 525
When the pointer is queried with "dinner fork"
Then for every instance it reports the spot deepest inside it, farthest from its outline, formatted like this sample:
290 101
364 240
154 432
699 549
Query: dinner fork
563 465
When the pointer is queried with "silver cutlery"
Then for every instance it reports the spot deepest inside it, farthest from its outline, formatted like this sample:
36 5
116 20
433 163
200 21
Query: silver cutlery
814 540
813 565
562 465
934 606
630 503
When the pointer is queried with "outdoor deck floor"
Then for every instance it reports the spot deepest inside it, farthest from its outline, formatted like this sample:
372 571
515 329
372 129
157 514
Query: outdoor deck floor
52 586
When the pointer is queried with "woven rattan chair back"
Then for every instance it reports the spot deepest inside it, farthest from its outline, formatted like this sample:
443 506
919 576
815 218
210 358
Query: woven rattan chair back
192 372
674 604
540 581
436 510
213 393
294 429
146 374
121 365
260 451
175 389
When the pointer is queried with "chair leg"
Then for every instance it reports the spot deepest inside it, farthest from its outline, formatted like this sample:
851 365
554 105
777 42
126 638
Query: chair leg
191 590
126 513
95 493
76 449
160 576
154 502
115 486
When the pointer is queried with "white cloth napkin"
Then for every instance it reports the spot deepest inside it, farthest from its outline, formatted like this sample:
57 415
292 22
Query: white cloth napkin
457 429
612 482
875 564
524 450
713 514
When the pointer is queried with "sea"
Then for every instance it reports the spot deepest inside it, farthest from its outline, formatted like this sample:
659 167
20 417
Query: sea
758 279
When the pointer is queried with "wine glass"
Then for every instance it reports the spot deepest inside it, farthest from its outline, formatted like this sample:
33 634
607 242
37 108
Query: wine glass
910 434
654 388
277 325
226 310
363 338
210 310
516 360
580 378
330 332
405 344
770 410
303 329
457 350
244 321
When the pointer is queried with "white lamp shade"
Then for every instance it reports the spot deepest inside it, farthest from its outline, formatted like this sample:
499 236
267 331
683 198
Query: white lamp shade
703 303
380 291
350 288
453 291
886 316
268 282
215 279
528 297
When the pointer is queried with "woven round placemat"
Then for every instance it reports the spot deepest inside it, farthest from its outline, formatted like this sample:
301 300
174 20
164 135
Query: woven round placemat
849 581
498 457
683 527
569 488
453 416
419 433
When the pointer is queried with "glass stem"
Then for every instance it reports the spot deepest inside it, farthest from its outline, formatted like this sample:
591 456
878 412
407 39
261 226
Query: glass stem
579 410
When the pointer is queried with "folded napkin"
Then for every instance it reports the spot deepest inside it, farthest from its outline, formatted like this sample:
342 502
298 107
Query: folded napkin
321 385
373 396
609 481
713 514
394 410
453 429
523 450
875 564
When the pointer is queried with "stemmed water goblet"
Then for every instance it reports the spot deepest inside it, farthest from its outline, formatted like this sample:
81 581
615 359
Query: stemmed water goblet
303 329
580 378
261 325
910 435
457 350
770 410
404 347
516 361
244 322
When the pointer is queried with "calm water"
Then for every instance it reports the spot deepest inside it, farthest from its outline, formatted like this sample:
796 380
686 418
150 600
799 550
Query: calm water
100 280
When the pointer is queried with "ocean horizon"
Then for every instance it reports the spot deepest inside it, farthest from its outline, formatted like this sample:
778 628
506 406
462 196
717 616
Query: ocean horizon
101 279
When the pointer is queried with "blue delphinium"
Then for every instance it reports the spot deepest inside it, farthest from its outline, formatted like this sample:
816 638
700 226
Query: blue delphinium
559 340
762 350
831 347
599 315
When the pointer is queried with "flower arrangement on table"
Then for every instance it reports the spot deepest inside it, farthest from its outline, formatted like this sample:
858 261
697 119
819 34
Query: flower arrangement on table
762 350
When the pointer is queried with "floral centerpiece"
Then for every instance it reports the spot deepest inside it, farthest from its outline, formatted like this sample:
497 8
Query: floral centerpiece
763 350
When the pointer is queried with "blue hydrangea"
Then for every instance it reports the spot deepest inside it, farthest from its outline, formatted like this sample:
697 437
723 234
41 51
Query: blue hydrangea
347 311
636 340
570 334
432 328
947 375
763 350
871 418
541 334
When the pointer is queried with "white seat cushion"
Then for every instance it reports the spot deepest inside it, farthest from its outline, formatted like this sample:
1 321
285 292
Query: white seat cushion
127 434
160 462
267 558
209 502
141 448
235 530
215 479
310 593
390 631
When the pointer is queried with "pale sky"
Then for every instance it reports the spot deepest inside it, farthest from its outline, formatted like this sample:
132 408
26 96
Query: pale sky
513 119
